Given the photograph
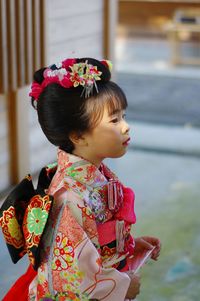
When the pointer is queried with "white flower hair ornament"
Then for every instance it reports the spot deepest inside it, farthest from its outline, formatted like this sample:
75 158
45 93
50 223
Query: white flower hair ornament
69 74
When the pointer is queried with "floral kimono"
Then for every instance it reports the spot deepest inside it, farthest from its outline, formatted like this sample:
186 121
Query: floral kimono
86 243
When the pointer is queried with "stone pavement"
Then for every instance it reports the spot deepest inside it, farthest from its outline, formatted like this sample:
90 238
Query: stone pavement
160 99
157 92
179 140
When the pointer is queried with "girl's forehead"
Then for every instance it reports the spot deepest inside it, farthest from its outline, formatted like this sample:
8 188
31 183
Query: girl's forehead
107 112
115 104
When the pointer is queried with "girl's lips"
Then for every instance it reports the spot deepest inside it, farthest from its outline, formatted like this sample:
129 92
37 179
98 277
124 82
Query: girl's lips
127 141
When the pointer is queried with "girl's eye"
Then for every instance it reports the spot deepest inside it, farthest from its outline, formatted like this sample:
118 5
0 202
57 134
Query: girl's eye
115 120
118 118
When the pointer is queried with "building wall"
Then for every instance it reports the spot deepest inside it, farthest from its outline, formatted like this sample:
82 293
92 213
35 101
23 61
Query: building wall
75 29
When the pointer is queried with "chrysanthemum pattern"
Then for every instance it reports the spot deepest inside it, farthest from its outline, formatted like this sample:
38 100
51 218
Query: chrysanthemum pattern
11 228
63 253
35 219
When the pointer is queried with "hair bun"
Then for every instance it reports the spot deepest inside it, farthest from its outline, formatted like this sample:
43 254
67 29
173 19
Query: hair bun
38 75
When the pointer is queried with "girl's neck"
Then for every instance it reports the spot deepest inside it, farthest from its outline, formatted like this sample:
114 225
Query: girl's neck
88 158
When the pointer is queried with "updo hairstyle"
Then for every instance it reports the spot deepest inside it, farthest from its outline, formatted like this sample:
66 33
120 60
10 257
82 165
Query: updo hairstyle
62 111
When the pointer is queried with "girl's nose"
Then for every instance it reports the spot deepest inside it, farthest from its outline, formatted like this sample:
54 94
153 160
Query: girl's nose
125 128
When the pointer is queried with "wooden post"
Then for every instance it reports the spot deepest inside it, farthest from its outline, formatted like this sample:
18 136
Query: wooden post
3 48
22 129
28 41
110 27
12 132
43 28
106 29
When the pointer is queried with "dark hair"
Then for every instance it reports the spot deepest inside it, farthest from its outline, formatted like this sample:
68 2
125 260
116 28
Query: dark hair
62 111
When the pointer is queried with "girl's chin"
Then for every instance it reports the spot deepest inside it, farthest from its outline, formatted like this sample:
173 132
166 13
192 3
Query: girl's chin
120 154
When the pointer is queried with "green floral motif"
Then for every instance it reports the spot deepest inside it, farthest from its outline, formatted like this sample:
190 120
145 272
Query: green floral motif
36 220
72 172
52 165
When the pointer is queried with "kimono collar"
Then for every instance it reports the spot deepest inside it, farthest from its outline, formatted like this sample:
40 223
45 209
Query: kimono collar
82 170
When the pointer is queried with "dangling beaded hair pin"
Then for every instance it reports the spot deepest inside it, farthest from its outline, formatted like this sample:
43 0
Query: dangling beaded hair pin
69 74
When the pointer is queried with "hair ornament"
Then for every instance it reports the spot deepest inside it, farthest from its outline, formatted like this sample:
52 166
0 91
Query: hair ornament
69 73
108 64
86 75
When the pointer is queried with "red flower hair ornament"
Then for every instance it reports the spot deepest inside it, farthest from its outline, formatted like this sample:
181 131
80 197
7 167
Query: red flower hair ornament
69 74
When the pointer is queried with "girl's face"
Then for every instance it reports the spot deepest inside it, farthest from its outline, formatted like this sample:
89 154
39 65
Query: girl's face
109 139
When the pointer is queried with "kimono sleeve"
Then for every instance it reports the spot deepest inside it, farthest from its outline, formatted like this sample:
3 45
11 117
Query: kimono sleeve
76 263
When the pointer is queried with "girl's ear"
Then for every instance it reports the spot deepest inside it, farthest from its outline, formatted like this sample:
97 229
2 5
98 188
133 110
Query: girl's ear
77 139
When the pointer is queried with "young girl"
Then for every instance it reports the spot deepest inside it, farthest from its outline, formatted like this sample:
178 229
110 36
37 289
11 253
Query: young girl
76 225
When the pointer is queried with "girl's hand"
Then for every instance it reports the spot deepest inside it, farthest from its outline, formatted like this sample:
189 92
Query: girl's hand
148 243
134 287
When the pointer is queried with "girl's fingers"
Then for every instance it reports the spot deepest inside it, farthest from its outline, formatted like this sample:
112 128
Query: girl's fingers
155 254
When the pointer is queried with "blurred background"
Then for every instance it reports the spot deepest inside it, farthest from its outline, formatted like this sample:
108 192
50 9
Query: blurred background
155 49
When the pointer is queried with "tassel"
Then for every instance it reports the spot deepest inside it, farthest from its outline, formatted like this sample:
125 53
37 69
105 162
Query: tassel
115 195
120 237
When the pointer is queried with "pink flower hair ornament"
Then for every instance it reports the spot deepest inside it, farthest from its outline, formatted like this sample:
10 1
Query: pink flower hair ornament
69 74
